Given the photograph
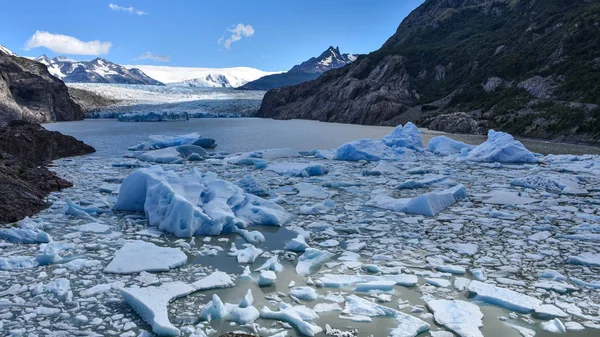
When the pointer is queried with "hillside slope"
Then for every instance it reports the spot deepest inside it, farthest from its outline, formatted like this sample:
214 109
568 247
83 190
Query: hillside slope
525 66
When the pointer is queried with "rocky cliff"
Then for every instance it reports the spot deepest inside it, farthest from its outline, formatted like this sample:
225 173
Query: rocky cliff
28 92
24 181
525 66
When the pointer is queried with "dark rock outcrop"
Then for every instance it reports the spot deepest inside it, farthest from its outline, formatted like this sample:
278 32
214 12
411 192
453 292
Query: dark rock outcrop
541 56
25 149
28 92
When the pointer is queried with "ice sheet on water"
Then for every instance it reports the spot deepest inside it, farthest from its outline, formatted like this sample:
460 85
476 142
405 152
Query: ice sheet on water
151 302
429 204
161 141
300 317
445 146
196 203
137 256
462 317
501 147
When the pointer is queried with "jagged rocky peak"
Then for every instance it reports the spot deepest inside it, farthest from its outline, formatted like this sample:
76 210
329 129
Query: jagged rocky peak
330 59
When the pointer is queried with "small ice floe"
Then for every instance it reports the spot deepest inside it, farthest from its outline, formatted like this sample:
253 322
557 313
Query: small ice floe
243 313
137 256
250 185
555 326
306 190
501 147
151 302
174 155
507 198
552 184
426 204
297 169
300 317
318 208
304 293
585 259
266 278
61 288
24 235
311 261
297 244
339 281
246 255
464 318
160 142
81 212
94 227
196 203
445 146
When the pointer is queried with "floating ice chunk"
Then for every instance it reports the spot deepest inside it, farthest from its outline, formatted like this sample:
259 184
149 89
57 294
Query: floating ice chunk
585 259
320 207
426 204
244 313
374 286
503 297
438 282
427 181
408 325
266 278
297 244
101 288
327 307
508 198
250 185
462 317
80 211
61 288
406 136
311 191
160 142
304 293
339 281
366 149
479 274
559 287
168 155
523 331
272 263
248 254
274 153
78 264
300 317
554 325
24 235
445 146
94 227
461 283
502 148
151 302
195 204
137 256
297 169
463 248
546 311
311 261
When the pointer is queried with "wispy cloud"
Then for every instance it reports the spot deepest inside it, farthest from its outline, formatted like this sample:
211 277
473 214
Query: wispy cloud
64 44
149 56
129 10
236 33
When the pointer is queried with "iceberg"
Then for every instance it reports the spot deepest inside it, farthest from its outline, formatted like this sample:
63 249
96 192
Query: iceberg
297 244
297 169
311 261
445 146
160 142
501 147
137 256
366 149
196 203
174 155
462 317
24 235
406 136
429 204
300 317
243 313
151 302
304 293
503 297
266 278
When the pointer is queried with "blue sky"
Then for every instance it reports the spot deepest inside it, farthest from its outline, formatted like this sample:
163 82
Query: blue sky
266 34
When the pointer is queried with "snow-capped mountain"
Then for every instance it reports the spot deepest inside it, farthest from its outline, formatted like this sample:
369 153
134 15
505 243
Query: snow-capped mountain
98 70
204 77
305 71
329 59
6 51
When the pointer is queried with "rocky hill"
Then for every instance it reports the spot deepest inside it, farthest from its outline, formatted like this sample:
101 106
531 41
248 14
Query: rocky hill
525 66
28 92
308 70
98 70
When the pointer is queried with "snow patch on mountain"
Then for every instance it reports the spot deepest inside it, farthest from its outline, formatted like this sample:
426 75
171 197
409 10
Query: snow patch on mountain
204 77
6 51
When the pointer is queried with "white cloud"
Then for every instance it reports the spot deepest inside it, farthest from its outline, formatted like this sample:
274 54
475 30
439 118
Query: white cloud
237 32
129 10
63 44
149 56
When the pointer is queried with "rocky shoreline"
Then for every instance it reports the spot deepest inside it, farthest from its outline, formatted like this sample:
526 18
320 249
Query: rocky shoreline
25 150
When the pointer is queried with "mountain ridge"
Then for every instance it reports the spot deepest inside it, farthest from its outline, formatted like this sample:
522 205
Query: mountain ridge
521 66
